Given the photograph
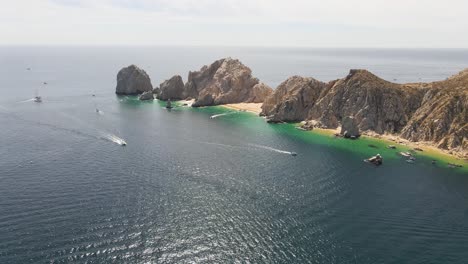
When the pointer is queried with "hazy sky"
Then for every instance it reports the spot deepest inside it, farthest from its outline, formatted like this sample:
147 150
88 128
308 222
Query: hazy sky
311 23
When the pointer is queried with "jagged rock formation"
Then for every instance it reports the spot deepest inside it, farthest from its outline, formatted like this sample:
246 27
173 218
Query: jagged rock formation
435 112
376 104
132 80
146 96
225 81
443 115
349 128
292 100
156 91
172 89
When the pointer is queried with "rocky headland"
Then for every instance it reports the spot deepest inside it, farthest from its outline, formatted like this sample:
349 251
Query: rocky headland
433 113
436 113
225 81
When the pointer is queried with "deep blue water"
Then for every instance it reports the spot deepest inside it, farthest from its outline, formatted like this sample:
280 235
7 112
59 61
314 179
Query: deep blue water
190 189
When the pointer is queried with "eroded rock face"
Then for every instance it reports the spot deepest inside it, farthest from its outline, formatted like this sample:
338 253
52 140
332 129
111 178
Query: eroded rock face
435 112
172 89
225 81
146 96
132 80
443 115
376 104
349 127
293 99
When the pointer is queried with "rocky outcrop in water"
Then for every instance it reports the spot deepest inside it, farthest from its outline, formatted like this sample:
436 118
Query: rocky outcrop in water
435 112
156 91
132 81
349 127
225 81
172 89
146 96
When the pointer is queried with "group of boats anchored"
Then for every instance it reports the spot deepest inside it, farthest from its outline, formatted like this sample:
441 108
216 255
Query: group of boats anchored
409 157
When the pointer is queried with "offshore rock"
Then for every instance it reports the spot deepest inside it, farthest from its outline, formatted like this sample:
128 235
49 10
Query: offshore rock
172 89
132 80
225 81
156 91
349 128
146 96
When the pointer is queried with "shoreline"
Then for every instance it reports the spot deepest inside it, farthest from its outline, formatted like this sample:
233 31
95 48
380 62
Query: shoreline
428 148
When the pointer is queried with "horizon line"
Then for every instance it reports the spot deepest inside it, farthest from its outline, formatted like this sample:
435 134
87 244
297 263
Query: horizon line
231 46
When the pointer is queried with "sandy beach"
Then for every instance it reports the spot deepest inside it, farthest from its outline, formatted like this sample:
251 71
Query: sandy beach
255 108
427 147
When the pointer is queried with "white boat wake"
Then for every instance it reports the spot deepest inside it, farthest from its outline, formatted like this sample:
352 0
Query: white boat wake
218 144
25 101
224 114
273 149
115 139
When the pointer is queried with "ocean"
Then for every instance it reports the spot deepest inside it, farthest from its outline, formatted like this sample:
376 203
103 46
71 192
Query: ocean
190 189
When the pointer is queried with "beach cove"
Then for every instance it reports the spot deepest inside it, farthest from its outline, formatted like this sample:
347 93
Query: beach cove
367 145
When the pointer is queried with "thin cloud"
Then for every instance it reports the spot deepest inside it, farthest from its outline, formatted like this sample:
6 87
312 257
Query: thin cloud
364 23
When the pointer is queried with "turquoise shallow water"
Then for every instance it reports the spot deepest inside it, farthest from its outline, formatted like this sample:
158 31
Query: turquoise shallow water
188 188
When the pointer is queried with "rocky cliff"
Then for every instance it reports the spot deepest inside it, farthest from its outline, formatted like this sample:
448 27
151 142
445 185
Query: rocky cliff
292 99
225 81
435 112
133 80
172 89
443 115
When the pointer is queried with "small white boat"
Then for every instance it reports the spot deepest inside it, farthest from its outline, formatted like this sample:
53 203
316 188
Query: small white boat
376 160
406 154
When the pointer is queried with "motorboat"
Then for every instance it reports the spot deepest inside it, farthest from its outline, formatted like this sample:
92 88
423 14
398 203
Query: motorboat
406 154
293 154
376 160
37 99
